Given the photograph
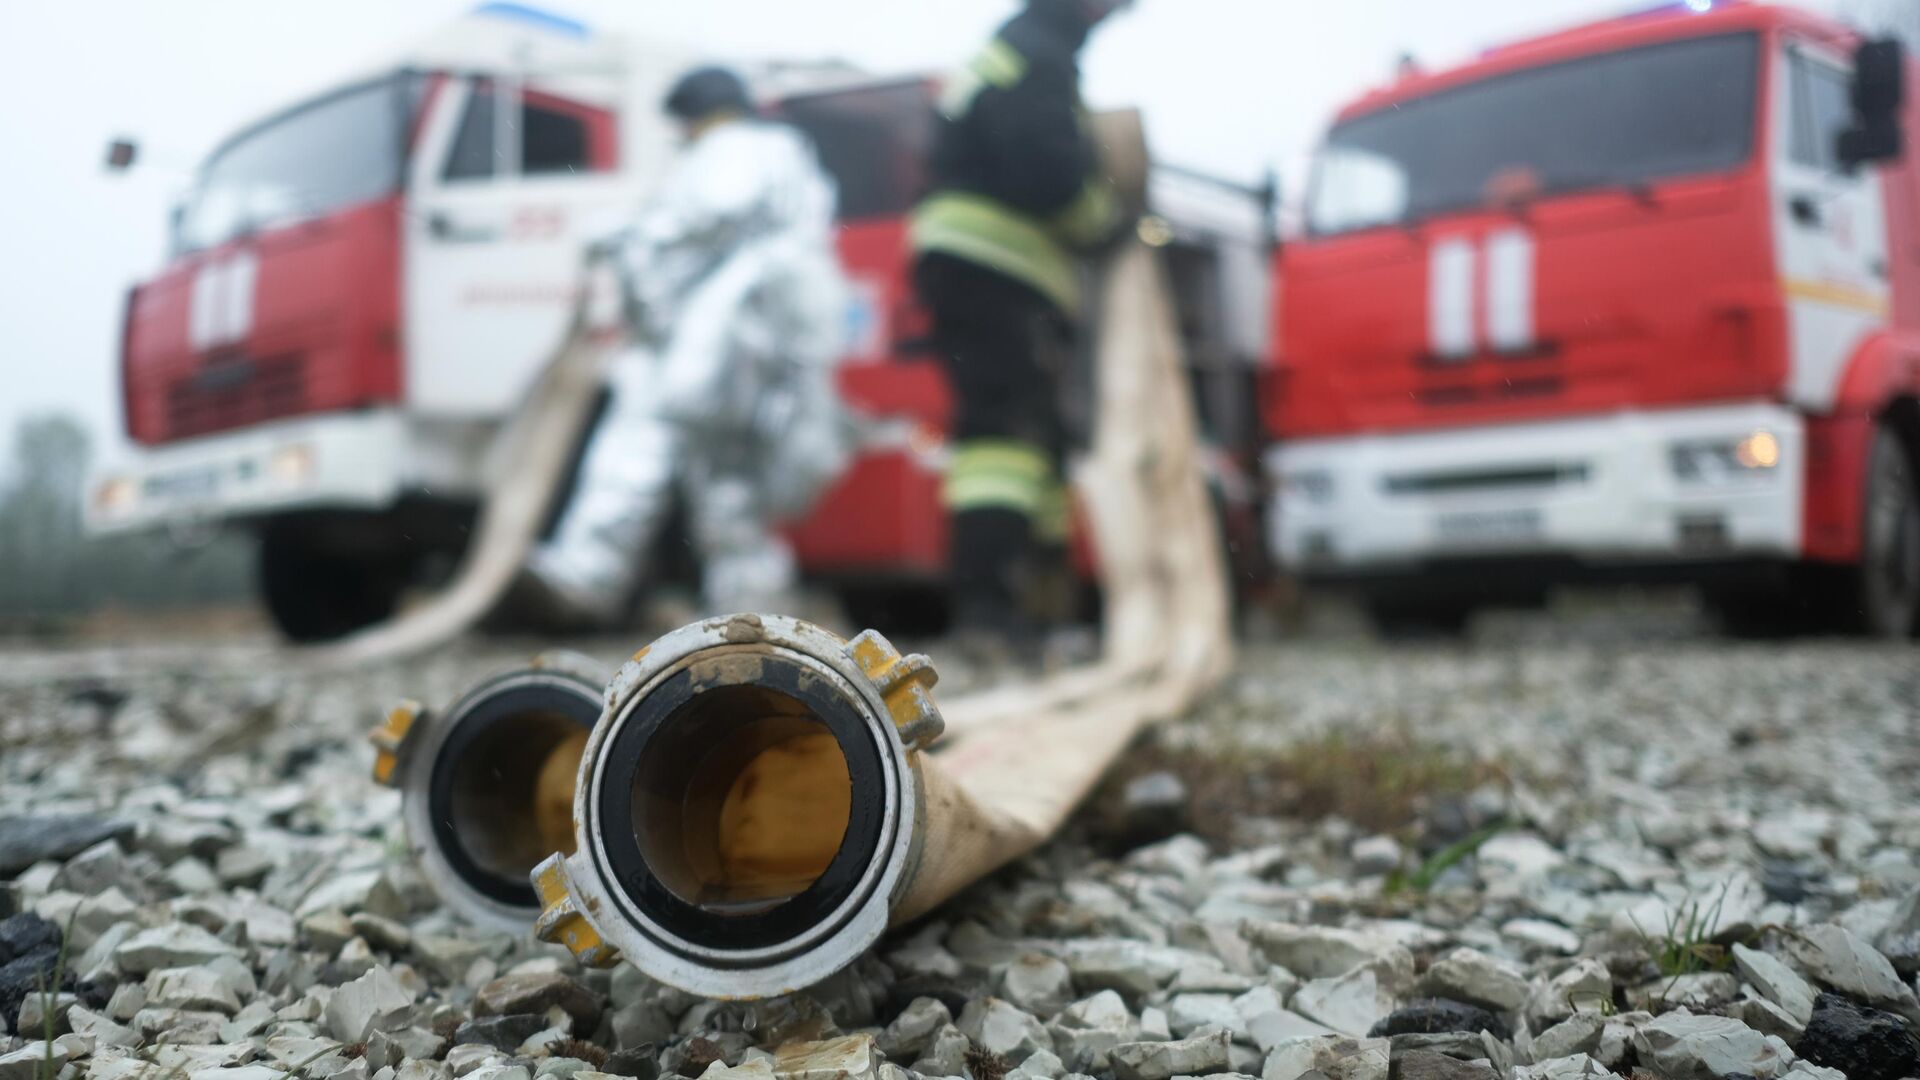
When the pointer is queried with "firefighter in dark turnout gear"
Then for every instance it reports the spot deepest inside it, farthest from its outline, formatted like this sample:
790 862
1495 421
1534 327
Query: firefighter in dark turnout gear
1017 197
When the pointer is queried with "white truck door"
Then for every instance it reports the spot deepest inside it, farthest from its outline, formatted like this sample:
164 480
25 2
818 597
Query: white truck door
508 185
1830 227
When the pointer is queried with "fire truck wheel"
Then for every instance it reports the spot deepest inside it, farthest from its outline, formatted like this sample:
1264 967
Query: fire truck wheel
904 610
1403 619
1889 572
316 594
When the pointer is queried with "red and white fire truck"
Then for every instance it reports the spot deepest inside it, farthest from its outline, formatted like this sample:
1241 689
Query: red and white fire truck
363 286
1640 299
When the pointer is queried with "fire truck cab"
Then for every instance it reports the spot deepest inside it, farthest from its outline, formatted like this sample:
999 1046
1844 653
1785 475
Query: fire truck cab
1636 300
361 288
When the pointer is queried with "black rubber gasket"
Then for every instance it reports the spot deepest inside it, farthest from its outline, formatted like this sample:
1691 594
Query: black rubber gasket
473 719
789 919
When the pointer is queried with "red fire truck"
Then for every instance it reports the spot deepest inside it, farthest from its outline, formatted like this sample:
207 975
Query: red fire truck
363 286
1636 300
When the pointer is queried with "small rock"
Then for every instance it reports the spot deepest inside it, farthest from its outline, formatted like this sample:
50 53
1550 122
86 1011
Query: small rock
1459 1045
387 935
1577 1034
1766 1018
854 1057
1864 1043
243 867
169 946
238 1072
639 1062
28 840
1616 1039
1586 986
756 1069
1332 1056
1513 859
999 1028
1197 1056
1084 1032
1351 1004
355 892
1477 979
358 1008
32 1020
447 957
28 1062
1377 855
536 993
1577 1067
1427 1065
1325 952
1152 806
24 933
327 931
1683 1046
946 1054
101 1028
908 1035
1842 961
1188 1013
99 868
1541 935
1038 983
193 988
1438 1014
1695 990
464 1060
1776 981
1042 1065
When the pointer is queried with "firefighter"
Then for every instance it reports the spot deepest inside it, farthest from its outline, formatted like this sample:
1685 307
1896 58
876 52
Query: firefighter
1018 197
737 303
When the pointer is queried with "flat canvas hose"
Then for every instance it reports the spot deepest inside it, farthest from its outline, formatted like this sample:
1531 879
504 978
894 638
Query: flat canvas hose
758 802
531 454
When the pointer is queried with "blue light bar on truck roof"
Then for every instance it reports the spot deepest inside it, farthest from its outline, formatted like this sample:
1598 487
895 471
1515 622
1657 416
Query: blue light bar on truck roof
545 19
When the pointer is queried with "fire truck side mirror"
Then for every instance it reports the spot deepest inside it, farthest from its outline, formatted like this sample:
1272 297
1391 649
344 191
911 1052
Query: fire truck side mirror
1879 91
121 154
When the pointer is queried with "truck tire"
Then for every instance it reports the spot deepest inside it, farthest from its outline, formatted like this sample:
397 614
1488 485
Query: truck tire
1416 619
1888 577
316 594
908 610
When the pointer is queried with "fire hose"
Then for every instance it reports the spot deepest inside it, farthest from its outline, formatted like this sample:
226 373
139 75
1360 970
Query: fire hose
760 800
750 803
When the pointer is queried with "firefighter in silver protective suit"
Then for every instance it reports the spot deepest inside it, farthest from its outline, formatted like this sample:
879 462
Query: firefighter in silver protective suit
737 306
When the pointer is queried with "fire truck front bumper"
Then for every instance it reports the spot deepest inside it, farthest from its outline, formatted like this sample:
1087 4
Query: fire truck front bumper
1716 484
352 461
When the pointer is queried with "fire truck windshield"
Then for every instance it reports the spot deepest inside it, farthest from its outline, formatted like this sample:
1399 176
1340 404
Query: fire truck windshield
1615 120
327 154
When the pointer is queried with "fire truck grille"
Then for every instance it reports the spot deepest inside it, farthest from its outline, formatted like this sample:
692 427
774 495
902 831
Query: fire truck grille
225 394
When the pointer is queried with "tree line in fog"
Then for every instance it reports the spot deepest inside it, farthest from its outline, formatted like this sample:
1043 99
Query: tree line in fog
53 571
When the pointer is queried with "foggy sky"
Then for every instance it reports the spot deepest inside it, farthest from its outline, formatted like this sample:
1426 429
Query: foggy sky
1233 86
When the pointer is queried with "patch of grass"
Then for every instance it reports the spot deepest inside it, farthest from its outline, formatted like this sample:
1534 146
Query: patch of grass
50 998
1429 871
1687 946
1381 783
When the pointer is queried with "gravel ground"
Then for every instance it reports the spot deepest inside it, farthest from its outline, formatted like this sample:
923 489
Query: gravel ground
1595 845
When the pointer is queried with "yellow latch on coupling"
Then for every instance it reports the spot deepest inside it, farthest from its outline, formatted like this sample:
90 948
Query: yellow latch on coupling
487 784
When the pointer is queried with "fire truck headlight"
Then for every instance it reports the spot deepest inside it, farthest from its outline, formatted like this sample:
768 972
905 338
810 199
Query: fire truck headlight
115 495
1759 450
291 465
1308 485
1722 460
